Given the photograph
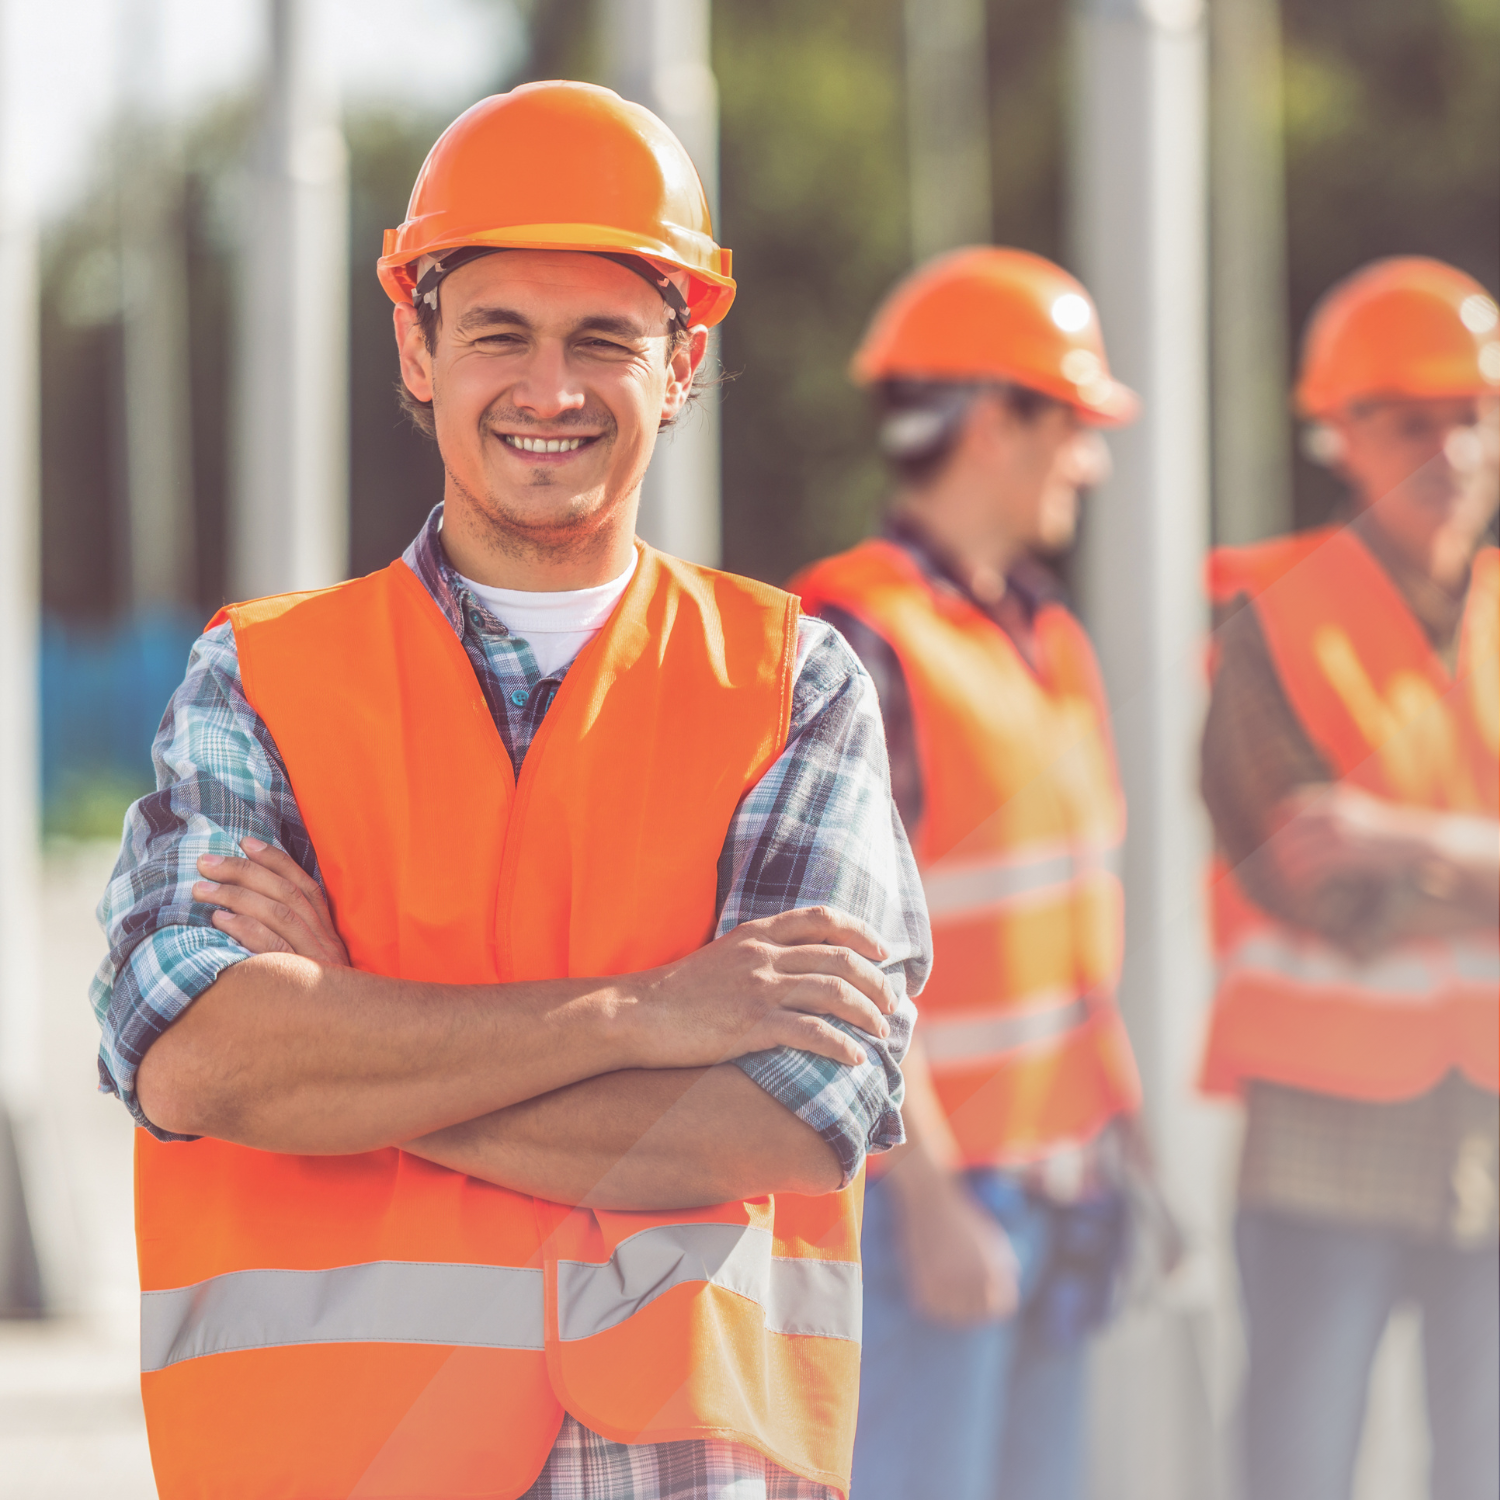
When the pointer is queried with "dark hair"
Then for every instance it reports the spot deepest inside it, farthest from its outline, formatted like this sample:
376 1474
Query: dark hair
429 319
920 420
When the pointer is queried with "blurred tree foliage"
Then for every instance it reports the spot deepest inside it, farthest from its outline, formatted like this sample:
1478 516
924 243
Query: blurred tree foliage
814 195
1393 148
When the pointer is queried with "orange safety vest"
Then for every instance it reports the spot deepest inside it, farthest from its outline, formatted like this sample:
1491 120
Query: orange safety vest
376 1325
1387 716
1018 848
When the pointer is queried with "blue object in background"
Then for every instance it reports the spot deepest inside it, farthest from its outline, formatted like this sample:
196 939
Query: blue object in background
103 691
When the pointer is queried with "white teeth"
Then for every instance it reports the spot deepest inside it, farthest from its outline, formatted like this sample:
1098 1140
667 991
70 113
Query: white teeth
543 445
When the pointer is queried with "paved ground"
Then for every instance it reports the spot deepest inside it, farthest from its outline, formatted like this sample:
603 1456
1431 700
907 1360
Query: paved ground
70 1416
71 1426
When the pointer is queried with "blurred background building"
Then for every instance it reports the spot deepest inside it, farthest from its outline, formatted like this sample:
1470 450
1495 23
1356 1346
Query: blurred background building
1209 169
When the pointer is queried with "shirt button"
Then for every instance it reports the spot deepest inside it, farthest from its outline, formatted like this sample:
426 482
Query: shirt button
519 697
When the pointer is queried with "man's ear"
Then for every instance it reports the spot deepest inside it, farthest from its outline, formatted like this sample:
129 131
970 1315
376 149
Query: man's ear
681 368
411 344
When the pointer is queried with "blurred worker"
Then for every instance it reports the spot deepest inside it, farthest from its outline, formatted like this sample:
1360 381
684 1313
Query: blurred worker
509 903
1350 765
991 1246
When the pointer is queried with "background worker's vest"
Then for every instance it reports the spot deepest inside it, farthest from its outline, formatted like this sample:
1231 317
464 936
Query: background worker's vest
375 1325
1018 846
1387 716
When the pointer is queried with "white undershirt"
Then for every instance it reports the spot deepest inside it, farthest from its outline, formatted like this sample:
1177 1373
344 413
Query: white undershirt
556 626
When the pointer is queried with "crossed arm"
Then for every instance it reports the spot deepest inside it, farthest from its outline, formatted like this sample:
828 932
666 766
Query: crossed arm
610 1091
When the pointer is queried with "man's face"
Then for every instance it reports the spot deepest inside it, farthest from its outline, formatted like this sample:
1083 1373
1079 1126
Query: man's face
1426 468
1037 466
551 375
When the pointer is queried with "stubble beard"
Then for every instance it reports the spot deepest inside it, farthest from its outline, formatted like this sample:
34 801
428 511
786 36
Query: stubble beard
574 529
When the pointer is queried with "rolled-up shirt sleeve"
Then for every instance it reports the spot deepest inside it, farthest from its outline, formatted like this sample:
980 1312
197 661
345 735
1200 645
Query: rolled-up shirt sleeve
219 779
821 829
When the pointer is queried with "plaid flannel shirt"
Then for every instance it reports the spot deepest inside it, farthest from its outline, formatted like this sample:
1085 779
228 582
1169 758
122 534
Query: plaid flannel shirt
819 827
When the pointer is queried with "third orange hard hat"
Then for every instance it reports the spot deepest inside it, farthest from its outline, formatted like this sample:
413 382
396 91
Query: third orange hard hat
1407 328
991 313
563 166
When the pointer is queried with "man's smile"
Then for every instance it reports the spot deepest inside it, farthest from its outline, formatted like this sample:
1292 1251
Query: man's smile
542 445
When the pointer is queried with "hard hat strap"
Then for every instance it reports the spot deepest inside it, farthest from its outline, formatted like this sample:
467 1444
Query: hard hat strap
660 282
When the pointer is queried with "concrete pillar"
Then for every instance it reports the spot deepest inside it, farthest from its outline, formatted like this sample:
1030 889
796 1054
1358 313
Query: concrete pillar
1252 447
154 280
657 54
947 125
1139 240
290 522
20 573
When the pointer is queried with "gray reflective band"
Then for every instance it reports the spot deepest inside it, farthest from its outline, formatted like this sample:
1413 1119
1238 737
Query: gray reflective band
1474 963
385 1302
962 1040
1409 975
973 888
810 1297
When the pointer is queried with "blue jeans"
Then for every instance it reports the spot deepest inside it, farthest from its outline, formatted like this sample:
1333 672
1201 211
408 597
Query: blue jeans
992 1412
1317 1297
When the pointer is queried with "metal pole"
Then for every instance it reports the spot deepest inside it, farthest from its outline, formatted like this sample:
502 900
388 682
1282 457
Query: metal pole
290 523
1139 235
659 56
153 263
1252 449
948 125
20 572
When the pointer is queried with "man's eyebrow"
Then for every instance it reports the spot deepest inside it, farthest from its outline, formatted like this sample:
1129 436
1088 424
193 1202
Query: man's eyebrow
489 316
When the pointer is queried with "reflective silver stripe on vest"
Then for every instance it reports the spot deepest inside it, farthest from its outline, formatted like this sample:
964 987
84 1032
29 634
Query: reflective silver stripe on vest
977 886
1403 975
964 1039
1476 963
382 1302
796 1296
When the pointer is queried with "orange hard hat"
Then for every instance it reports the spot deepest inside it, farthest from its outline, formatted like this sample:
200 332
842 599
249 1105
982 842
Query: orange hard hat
989 313
562 166
1407 327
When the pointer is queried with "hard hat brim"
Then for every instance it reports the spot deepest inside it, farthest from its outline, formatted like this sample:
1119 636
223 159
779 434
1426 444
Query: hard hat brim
1104 402
710 296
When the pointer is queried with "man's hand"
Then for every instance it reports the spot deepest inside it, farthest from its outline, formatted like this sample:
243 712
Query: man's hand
1334 831
769 983
269 904
960 1267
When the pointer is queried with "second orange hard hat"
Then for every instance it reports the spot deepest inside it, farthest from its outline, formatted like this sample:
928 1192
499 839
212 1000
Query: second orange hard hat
562 166
1407 328
995 314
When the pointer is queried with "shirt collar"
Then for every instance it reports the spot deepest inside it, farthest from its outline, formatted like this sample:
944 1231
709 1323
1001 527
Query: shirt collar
1028 583
426 558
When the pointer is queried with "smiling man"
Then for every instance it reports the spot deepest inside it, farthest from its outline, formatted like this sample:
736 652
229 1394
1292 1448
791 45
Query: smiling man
512 970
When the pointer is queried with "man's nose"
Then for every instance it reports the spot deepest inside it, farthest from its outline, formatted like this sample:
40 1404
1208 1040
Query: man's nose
546 387
1089 462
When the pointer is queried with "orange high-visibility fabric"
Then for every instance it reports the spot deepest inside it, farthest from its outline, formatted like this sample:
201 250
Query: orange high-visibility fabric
1021 827
1387 716
439 866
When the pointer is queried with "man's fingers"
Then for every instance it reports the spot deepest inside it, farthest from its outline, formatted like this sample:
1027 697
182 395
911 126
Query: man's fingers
825 924
845 964
245 874
249 933
810 1033
281 863
827 995
275 916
